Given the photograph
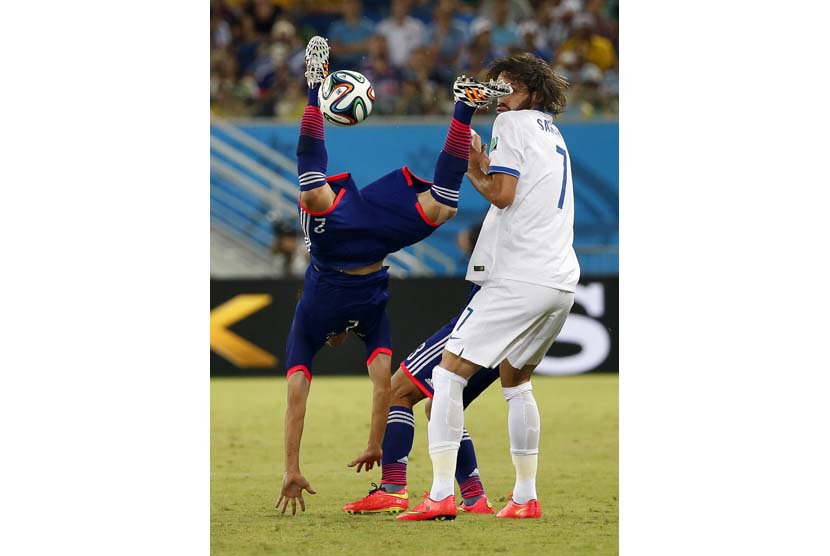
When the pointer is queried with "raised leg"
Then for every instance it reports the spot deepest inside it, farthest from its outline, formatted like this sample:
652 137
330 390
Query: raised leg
312 159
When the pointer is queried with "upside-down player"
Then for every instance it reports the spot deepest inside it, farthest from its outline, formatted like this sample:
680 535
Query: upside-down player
349 231
527 269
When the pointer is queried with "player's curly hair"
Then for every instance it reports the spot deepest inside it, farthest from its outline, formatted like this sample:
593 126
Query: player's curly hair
546 88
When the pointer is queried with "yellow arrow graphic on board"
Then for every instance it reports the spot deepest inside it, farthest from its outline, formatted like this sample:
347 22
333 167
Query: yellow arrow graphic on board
232 347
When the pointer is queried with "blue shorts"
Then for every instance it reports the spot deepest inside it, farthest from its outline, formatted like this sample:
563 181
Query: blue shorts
419 364
335 302
362 226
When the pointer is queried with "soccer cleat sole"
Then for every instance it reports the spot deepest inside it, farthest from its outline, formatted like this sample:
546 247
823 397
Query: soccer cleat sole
425 511
477 94
435 518
383 511
316 60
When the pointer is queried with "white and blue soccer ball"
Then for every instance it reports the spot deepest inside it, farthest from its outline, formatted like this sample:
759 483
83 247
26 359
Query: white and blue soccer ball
346 98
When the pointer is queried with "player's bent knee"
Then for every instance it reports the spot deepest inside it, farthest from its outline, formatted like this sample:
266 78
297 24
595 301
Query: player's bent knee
511 392
449 360
436 211
317 199
404 393
441 212
447 213
511 376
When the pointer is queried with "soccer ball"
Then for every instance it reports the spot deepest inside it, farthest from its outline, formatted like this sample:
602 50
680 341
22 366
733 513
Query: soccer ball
346 98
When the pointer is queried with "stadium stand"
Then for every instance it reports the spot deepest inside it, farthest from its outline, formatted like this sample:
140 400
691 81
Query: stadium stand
258 95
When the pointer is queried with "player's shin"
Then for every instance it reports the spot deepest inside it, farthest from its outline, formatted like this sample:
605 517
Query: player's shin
445 429
397 443
466 471
523 426
312 158
452 161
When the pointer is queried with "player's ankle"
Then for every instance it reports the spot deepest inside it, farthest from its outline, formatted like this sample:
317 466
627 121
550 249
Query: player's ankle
392 488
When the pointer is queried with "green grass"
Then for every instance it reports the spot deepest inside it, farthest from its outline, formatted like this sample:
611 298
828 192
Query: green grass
577 479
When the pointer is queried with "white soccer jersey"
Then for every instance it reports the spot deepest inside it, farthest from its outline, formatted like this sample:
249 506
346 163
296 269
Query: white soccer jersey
532 239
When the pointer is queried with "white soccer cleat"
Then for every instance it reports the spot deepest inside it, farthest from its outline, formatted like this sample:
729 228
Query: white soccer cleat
316 60
477 94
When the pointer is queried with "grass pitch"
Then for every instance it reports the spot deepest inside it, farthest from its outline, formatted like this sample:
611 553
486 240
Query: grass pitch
577 479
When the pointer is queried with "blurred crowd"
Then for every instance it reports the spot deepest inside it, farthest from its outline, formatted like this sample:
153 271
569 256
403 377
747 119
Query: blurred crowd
411 50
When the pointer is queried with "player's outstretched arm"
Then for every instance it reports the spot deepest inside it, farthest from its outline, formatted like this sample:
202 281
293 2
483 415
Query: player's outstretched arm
499 189
293 482
380 373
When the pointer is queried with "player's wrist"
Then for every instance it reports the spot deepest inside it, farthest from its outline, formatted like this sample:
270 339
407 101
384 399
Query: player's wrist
292 465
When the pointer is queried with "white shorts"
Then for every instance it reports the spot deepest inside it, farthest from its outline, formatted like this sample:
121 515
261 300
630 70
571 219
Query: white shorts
512 320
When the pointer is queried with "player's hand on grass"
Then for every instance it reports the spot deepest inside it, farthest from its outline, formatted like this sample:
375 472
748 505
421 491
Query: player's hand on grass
293 485
369 458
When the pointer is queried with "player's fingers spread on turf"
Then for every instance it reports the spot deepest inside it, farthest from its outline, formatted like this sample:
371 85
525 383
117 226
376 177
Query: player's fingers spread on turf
277 505
302 503
352 464
311 490
293 506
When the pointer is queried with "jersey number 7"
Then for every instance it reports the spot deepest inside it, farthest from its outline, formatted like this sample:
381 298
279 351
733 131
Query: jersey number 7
564 154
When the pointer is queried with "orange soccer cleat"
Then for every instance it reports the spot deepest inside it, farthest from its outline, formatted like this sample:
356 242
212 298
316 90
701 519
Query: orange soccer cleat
379 501
481 506
521 511
430 509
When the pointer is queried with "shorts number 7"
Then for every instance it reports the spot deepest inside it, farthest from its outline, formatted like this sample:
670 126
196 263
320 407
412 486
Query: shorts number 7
469 312
564 154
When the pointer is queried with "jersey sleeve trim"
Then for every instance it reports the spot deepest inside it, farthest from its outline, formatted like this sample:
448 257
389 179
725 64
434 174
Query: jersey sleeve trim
328 210
407 173
377 352
504 170
415 381
299 368
426 219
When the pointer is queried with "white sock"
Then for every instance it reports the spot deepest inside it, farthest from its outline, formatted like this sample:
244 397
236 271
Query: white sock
446 424
523 426
525 488
443 473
